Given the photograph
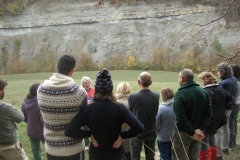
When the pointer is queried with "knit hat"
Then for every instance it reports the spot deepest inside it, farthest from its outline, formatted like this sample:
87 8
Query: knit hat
103 82
224 68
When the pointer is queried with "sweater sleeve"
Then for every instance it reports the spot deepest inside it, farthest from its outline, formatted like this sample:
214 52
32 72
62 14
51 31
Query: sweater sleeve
136 126
15 115
24 113
158 121
181 118
74 127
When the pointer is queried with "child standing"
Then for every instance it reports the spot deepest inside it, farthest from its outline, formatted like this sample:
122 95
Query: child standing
34 121
165 123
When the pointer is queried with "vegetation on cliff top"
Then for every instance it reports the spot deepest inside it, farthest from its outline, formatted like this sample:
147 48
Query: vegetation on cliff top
14 6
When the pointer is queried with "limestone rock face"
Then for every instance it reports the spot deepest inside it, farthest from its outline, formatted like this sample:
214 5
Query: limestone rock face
102 30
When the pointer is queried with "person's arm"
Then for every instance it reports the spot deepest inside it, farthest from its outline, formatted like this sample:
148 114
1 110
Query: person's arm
207 115
24 113
228 97
158 121
74 127
15 115
179 110
136 126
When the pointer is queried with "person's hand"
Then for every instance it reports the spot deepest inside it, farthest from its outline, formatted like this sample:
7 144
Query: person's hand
118 143
94 142
198 135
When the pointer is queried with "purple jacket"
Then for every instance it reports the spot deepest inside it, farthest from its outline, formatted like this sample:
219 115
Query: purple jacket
33 118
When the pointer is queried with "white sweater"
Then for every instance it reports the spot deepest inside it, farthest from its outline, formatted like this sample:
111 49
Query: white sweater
60 99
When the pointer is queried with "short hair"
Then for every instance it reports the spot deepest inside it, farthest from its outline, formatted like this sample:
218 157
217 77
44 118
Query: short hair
236 71
66 64
3 83
84 78
224 68
145 79
207 78
124 88
167 93
187 74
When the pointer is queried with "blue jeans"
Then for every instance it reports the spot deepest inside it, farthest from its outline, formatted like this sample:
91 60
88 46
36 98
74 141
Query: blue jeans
165 149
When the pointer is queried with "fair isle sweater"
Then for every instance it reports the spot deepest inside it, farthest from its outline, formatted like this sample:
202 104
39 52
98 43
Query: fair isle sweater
60 99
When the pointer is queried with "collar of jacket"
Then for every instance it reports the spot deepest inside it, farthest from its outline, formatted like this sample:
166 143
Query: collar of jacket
188 84
226 76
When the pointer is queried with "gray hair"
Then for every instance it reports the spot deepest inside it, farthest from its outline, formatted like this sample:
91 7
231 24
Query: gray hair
84 78
224 68
187 74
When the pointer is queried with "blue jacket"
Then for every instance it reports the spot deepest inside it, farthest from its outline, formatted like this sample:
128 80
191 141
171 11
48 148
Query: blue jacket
229 83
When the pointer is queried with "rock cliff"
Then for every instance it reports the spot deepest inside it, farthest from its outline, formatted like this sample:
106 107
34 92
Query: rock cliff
101 30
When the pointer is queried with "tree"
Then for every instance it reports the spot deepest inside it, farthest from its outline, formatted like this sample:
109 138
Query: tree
4 58
131 62
86 63
157 59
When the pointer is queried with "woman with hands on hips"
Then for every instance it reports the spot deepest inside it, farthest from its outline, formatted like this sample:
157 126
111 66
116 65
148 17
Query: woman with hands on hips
104 117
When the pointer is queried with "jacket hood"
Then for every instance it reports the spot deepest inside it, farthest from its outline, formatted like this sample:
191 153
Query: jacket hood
168 101
30 103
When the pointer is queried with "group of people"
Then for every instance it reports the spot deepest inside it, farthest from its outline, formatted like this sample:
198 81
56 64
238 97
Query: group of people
193 123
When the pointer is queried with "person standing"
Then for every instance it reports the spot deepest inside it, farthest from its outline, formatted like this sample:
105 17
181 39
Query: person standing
60 99
235 108
34 121
10 148
144 105
228 83
219 98
86 83
104 117
193 110
122 93
165 123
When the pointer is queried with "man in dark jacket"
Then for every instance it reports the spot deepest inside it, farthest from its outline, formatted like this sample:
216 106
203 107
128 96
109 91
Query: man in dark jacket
228 83
144 105
10 148
193 110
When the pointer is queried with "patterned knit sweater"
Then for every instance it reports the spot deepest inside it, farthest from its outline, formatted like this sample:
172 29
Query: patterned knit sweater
60 99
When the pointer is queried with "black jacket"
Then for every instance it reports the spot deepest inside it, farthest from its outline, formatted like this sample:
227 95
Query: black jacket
219 98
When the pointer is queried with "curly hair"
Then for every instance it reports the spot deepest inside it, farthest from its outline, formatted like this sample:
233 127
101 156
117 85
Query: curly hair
207 78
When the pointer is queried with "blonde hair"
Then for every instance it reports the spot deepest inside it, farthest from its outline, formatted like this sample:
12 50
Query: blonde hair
124 88
207 78
167 93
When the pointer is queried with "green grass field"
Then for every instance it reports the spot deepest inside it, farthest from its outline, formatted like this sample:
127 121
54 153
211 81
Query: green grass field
18 86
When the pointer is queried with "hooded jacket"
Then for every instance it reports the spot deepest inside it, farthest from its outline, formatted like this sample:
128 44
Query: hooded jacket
33 118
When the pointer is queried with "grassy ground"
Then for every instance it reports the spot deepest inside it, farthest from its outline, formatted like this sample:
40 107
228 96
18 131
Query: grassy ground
18 86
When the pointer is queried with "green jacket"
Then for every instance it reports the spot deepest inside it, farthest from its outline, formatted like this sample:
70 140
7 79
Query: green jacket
193 109
8 129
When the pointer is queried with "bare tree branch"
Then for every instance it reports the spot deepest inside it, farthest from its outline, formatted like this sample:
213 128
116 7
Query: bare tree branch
212 20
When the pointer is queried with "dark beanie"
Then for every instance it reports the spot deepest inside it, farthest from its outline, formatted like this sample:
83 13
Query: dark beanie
103 83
